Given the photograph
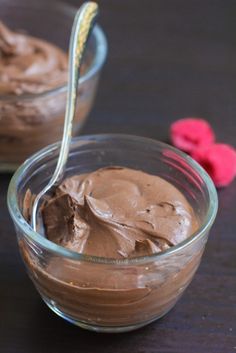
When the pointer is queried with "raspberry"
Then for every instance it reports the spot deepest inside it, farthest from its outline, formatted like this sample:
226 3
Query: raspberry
189 133
219 160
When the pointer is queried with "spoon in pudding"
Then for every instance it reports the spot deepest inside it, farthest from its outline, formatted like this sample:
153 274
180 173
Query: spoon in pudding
82 26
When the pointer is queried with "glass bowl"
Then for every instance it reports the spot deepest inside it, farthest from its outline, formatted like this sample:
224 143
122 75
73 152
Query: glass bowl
93 292
32 121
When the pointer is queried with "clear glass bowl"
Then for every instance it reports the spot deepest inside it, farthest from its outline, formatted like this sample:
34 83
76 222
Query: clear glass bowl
93 292
33 121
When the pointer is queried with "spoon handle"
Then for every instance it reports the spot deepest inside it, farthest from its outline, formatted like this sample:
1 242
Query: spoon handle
83 23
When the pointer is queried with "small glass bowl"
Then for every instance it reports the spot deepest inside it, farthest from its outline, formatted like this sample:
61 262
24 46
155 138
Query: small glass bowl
93 292
32 121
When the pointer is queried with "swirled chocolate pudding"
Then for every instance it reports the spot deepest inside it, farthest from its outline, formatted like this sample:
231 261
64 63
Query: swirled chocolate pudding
118 213
29 64
31 114
123 214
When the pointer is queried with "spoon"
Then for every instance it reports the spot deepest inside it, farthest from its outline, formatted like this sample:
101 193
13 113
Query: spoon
83 23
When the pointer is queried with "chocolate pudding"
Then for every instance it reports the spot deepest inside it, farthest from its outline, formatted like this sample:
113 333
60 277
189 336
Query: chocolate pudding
121 214
31 114
118 213
29 64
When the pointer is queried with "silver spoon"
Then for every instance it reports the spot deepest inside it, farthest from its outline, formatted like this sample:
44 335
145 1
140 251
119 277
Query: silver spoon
83 23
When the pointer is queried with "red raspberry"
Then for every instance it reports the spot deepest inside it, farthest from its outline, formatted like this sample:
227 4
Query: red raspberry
219 160
190 133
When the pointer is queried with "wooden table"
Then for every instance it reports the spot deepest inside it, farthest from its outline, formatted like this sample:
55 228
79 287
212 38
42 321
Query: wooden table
167 60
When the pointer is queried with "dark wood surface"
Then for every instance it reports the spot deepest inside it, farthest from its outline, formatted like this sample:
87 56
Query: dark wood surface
167 59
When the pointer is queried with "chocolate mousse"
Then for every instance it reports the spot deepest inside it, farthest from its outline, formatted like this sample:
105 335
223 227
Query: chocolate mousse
29 64
118 213
31 116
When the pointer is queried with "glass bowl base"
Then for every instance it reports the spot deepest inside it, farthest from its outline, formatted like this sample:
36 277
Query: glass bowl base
97 328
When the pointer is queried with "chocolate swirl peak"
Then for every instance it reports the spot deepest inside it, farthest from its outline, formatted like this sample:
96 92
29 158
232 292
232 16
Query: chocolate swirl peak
29 64
118 212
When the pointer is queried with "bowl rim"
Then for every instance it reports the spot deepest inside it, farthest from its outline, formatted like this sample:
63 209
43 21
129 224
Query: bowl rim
35 237
96 65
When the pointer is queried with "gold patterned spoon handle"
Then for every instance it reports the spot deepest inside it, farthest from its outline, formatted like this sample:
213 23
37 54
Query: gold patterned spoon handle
83 23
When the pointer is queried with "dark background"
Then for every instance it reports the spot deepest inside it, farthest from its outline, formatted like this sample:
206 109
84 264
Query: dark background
167 59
